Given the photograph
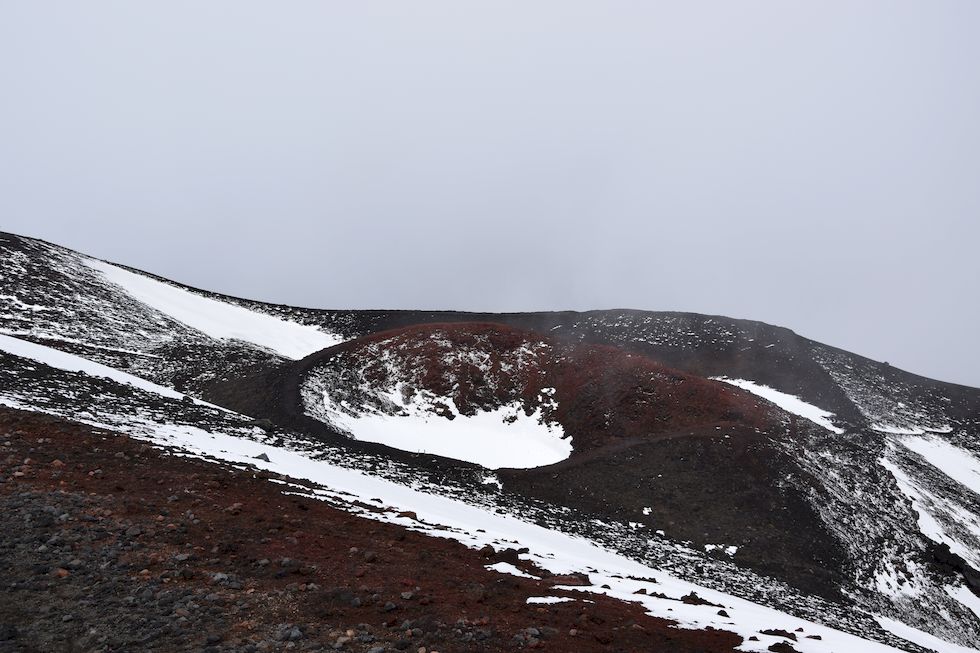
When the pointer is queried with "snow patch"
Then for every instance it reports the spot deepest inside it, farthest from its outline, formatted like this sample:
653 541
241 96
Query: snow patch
963 594
924 640
554 551
892 429
958 464
71 363
925 503
218 319
787 402
505 437
507 568
547 600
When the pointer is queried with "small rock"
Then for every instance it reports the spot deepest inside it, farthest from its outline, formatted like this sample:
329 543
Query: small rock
779 632
290 634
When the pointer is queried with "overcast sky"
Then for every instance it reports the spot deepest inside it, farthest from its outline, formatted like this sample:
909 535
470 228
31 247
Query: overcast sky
810 164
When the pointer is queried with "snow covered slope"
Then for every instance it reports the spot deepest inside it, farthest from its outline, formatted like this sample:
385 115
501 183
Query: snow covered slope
210 433
811 480
217 319
156 330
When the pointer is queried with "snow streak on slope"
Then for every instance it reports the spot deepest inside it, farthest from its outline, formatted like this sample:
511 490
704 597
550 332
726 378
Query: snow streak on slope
924 640
71 363
220 320
503 437
961 466
232 438
556 552
943 516
787 402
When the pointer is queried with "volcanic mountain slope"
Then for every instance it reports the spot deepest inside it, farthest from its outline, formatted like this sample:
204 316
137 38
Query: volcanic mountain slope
151 552
63 384
729 453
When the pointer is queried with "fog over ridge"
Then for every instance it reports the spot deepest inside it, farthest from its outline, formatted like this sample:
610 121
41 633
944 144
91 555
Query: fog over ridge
811 166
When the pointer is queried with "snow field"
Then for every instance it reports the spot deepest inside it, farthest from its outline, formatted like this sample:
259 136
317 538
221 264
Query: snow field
787 402
218 319
504 437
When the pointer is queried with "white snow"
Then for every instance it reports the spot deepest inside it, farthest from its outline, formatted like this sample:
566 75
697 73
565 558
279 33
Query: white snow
963 594
491 479
440 516
925 503
548 600
883 427
925 640
504 437
897 430
958 464
729 550
219 319
787 402
557 552
507 568
72 363
928 526
45 335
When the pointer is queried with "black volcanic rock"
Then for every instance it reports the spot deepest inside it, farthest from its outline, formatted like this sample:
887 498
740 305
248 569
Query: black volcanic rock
833 519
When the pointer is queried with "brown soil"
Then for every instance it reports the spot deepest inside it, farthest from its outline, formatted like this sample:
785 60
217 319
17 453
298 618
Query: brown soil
346 576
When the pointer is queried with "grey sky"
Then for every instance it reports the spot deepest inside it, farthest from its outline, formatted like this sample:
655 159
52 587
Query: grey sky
814 165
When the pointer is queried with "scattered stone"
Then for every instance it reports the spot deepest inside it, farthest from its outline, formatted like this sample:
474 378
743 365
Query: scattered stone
778 632
694 599
782 647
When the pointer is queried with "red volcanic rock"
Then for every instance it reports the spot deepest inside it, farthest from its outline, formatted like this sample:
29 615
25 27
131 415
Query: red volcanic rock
282 568
600 395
